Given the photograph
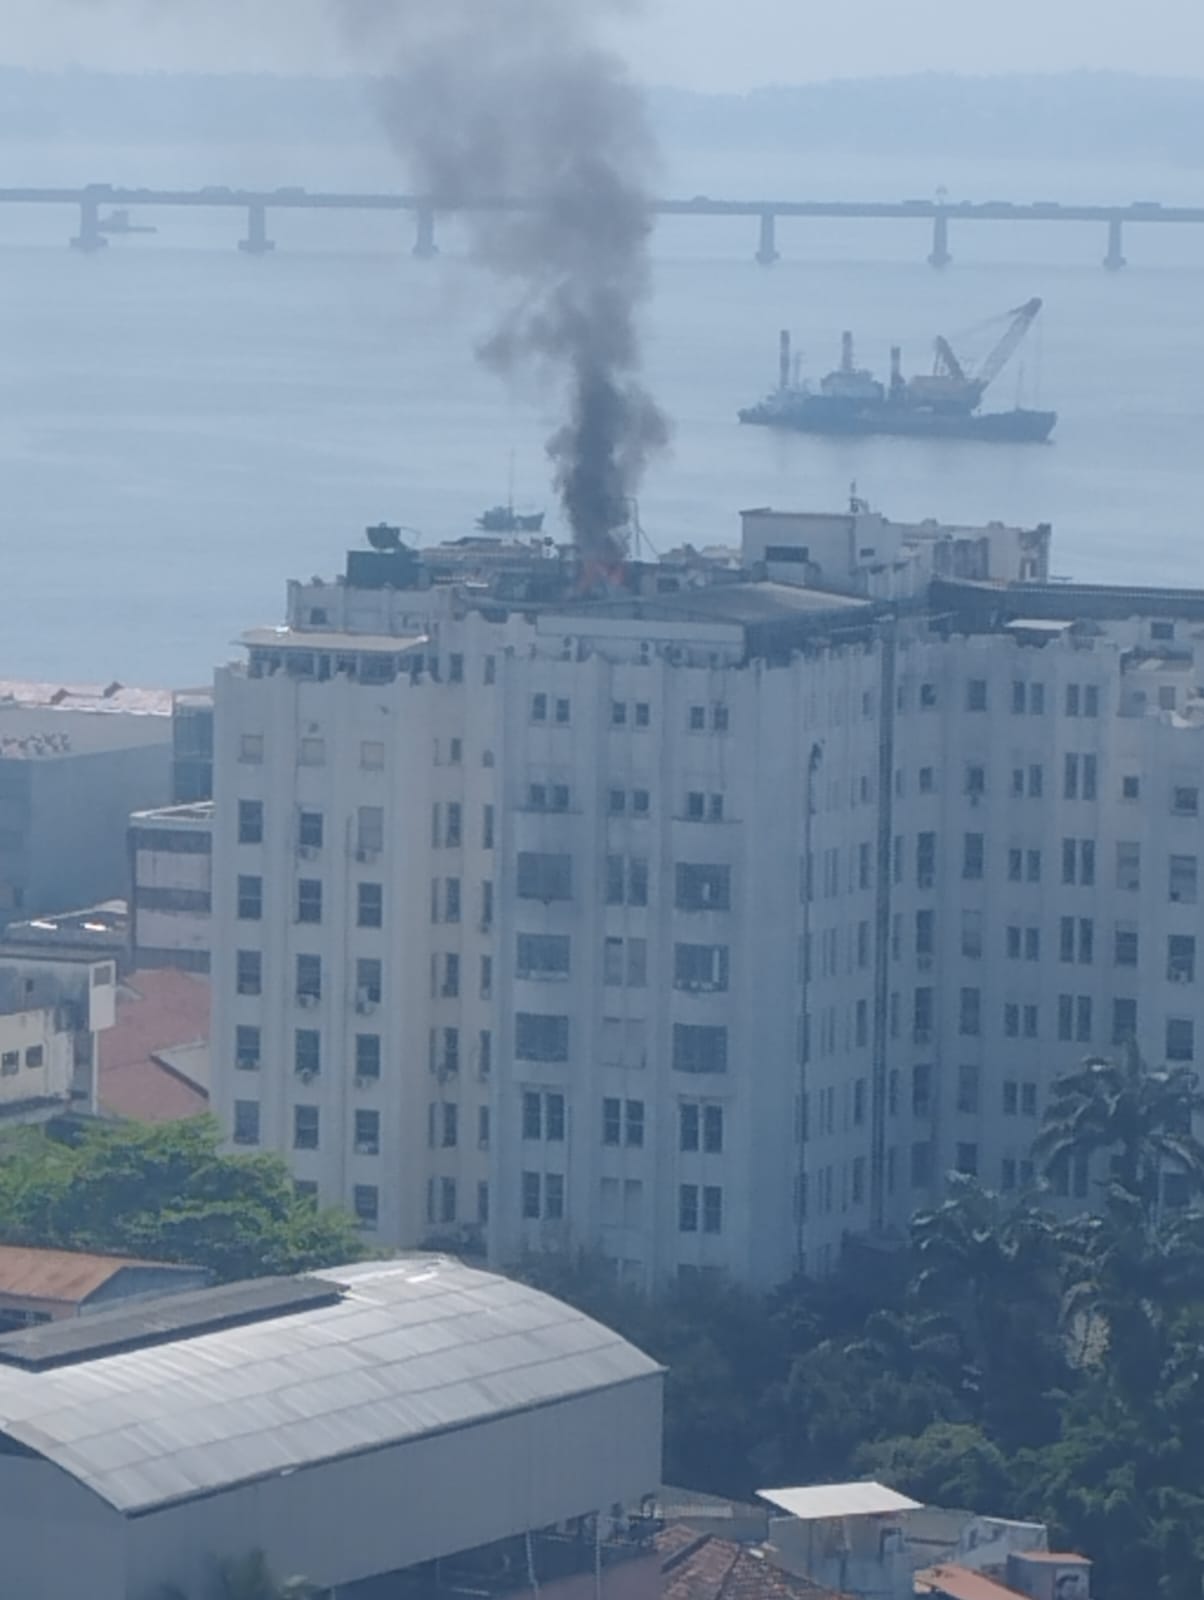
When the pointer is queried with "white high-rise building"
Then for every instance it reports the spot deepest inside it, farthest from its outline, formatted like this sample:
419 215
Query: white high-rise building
707 921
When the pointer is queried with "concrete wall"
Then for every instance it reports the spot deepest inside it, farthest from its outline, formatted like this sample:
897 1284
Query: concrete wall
58 1541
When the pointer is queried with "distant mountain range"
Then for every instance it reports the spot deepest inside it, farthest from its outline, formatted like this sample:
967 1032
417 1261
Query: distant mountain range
1080 116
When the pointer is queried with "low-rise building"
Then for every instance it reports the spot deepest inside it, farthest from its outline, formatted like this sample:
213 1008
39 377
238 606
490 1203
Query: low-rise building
39 1285
51 1014
379 1428
154 1061
74 762
171 887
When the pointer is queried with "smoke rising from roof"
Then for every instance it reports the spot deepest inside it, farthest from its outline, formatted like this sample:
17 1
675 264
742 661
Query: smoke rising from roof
516 98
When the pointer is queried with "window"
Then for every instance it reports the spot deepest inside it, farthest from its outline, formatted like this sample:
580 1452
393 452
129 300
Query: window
1125 945
1130 788
1070 778
976 694
1072 699
249 972
1011 1098
643 714
483 1187
700 1050
972 855
542 955
1180 1039
10 1063
921 1164
922 1015
554 1117
921 1090
970 1011
1128 864
484 1053
250 822
1182 882
703 887
539 713
307 1052
719 719
366 1201
688 1126
563 711
687 1208
246 1047
696 719
250 750
1124 1021
967 1158
553 1195
925 860
367 1133
487 828
1036 699
926 780
450 987
618 714
612 1121
1028 1099
976 780
712 1208
368 981
367 1055
453 835
967 1089
1015 865
1019 697
1011 1021
541 1038
370 907
246 1122
544 876
1185 800
533 1115
250 898
309 900
309 978
1181 958
305 1127
927 696
700 966
449 1125
531 1195
309 830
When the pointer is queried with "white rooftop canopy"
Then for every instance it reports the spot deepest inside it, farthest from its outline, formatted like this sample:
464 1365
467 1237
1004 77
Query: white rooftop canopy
817 1501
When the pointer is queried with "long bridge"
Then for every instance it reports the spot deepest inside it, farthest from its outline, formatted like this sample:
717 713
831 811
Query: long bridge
103 211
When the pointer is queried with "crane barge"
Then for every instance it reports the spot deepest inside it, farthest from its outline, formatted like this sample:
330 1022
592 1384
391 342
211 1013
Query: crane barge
943 404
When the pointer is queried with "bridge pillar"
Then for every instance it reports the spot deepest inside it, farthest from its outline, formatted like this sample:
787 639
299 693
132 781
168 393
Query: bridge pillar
1115 259
425 248
767 248
939 256
257 242
89 239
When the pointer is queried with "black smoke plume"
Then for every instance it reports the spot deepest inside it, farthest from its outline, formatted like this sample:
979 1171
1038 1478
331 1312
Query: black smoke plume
515 98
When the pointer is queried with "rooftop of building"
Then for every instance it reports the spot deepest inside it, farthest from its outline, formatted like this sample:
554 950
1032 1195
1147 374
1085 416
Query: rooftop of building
703 1566
994 605
97 930
153 1064
66 1276
100 697
206 1390
960 1583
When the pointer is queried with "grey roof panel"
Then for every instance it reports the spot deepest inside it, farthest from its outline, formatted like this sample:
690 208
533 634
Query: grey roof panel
414 1346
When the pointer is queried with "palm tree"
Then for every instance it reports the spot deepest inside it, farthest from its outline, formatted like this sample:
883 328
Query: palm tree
1143 1115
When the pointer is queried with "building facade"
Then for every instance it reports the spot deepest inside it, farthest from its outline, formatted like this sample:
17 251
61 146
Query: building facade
170 890
52 1012
699 923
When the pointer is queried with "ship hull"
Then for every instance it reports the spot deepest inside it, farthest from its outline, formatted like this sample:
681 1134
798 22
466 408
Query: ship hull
993 427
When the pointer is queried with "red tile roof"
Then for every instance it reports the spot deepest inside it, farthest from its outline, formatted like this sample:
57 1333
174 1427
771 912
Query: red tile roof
700 1566
67 1275
959 1583
156 1011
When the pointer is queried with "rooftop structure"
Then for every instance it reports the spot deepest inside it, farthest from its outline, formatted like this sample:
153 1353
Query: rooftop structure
40 1286
52 1011
281 1416
171 890
701 1566
154 1061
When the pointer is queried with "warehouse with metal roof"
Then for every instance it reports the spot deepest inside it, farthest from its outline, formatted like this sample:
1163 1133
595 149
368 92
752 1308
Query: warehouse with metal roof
350 1423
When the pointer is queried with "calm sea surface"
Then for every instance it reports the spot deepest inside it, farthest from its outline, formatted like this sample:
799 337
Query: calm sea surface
182 428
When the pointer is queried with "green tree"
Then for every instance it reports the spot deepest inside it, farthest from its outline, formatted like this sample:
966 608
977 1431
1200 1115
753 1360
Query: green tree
166 1192
948 1464
1139 1114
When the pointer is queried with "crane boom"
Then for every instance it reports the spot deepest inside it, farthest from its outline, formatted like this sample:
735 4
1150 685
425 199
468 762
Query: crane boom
946 358
1023 318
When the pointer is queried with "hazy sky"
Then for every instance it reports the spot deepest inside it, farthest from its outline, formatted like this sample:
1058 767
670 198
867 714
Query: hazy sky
711 44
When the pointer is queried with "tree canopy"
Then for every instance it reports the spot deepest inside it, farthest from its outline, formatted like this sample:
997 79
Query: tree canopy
168 1193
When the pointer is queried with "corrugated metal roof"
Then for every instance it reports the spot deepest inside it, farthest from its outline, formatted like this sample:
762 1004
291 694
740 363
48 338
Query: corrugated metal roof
960 1583
415 1346
819 1500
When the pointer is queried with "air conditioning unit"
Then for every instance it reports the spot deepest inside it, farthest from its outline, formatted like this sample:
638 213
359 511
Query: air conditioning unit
367 857
306 1074
246 1063
363 1082
307 852
364 1006
307 1000
366 1148
924 963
